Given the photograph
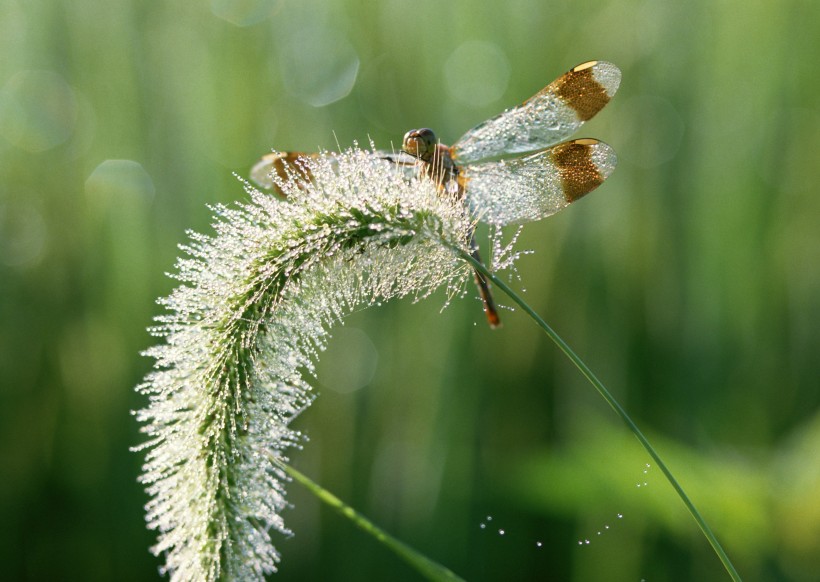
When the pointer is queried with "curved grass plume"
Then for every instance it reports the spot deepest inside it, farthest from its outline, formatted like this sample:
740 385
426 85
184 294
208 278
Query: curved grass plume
243 329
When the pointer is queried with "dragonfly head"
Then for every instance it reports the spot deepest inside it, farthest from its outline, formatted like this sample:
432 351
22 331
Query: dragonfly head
420 143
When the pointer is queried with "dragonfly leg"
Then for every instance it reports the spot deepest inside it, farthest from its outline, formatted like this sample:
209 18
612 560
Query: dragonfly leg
484 289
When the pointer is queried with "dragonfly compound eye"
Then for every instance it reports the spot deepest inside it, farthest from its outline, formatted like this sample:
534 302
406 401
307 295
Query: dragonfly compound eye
420 143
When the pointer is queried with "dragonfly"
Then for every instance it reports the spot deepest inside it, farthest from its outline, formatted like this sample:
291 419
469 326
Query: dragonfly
497 189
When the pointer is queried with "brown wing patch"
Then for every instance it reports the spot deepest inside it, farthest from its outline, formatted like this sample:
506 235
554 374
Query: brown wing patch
285 165
579 172
582 91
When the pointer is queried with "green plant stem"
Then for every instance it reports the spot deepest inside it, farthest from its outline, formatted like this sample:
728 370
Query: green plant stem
429 569
575 359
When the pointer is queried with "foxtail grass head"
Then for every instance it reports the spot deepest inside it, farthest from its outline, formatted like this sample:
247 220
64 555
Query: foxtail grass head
249 316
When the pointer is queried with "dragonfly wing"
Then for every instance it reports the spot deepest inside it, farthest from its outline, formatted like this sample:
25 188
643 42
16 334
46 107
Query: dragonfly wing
283 165
288 165
402 162
535 186
550 116
399 158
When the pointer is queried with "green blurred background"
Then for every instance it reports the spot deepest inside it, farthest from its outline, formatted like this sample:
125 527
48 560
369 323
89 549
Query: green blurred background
689 282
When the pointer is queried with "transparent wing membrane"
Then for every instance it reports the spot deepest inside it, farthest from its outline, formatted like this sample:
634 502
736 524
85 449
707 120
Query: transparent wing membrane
550 116
532 187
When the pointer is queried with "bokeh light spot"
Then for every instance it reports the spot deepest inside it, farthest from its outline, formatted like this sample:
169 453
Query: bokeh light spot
38 110
349 362
319 66
477 73
116 181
